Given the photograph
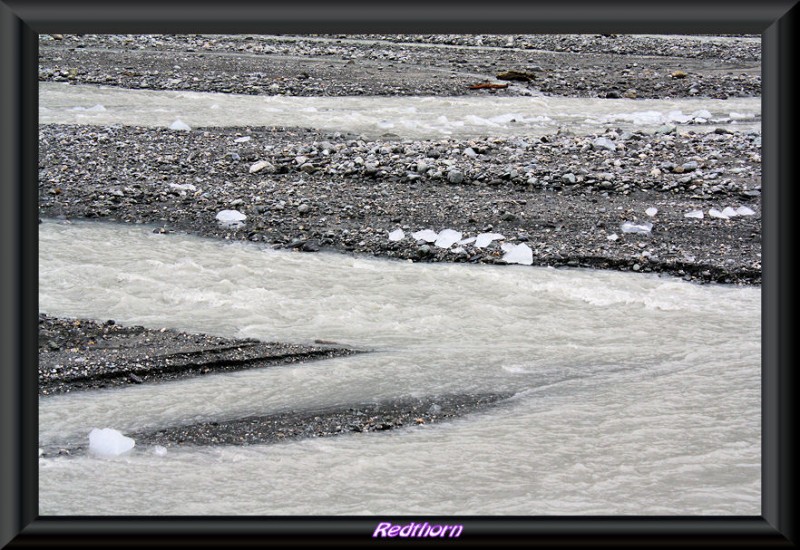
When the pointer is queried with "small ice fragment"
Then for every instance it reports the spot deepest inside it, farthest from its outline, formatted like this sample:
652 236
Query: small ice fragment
179 125
730 212
458 250
396 235
108 443
651 211
214 106
694 214
231 218
447 238
507 247
520 254
484 239
182 187
425 235
630 227
242 139
612 237
158 450
744 211
714 213
467 241
604 143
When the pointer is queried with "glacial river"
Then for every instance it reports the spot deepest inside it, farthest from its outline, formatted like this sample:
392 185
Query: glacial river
634 394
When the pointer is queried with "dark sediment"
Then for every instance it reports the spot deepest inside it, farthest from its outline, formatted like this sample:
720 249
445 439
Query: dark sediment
565 196
80 354
562 65
395 414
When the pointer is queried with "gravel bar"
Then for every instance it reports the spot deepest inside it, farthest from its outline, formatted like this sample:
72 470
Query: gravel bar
565 196
605 66
401 413
81 354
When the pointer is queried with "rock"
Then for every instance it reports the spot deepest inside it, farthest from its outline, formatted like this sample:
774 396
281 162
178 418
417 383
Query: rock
569 178
310 246
679 74
690 166
522 76
455 177
631 94
262 165
303 208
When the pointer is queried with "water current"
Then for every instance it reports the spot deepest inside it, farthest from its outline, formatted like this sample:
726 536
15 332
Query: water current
634 394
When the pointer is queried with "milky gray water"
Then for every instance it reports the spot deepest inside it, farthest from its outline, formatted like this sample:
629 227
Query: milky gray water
403 117
635 394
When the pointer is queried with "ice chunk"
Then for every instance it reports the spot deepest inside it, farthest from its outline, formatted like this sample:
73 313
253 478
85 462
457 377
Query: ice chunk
447 238
630 227
484 239
730 212
744 211
426 235
182 187
242 139
179 125
612 237
520 254
651 211
467 241
714 213
507 247
106 443
604 143
694 214
158 450
396 235
231 218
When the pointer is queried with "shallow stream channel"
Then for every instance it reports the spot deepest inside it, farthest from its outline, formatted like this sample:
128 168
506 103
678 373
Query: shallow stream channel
632 393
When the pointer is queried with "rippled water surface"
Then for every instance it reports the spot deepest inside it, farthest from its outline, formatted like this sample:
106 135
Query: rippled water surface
635 394
398 117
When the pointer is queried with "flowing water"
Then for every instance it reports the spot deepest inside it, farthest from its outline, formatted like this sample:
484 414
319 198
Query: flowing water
403 117
634 394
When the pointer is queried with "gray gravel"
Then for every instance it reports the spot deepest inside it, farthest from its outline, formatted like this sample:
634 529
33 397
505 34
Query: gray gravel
561 65
361 418
80 354
565 196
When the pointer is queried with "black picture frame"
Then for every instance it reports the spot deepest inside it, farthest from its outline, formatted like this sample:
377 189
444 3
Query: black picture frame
20 23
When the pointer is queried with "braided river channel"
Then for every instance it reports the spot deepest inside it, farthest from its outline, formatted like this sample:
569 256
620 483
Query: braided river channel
633 393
